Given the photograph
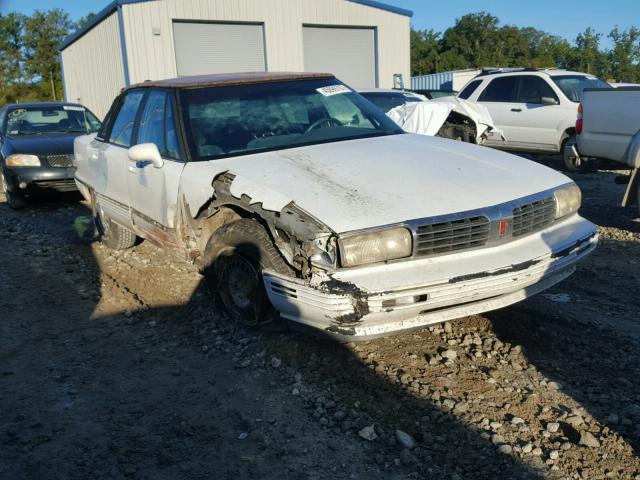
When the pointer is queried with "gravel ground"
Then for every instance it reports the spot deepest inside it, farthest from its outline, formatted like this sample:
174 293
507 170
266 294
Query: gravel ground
117 365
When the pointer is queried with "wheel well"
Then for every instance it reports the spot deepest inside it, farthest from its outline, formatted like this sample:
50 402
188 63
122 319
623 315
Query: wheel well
568 133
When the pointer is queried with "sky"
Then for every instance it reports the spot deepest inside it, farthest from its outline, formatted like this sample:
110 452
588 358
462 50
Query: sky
564 18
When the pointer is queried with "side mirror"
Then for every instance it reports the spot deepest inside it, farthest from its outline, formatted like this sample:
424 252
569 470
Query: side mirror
146 152
549 101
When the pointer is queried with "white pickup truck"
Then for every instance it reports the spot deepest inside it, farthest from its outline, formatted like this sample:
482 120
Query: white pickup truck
608 127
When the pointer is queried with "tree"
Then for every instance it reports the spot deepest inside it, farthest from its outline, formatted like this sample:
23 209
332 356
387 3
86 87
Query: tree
11 44
625 55
84 20
586 56
44 31
424 51
472 40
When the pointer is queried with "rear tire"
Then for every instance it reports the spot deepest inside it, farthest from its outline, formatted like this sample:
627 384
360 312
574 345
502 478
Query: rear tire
15 201
572 162
111 234
233 261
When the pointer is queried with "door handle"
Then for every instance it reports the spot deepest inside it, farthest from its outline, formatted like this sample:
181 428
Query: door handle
516 109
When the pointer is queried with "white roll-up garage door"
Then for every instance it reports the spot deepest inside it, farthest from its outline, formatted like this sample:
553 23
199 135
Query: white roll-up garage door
348 53
204 48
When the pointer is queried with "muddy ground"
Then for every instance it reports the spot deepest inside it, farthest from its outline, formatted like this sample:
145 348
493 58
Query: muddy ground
118 366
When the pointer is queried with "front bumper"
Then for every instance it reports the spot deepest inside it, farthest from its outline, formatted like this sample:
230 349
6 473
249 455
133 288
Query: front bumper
379 300
40 179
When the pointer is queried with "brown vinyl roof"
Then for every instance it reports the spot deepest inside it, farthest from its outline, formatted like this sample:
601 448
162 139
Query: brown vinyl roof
229 79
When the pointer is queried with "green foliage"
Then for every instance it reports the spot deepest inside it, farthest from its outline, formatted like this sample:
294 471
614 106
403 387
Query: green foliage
479 40
29 56
43 33
10 50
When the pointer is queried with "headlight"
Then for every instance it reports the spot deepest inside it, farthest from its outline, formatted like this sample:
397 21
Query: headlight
568 200
375 247
22 160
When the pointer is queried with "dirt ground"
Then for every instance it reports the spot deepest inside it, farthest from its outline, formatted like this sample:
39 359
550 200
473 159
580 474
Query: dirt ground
118 366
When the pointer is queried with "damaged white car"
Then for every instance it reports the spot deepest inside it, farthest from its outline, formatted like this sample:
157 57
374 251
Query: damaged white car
448 117
297 197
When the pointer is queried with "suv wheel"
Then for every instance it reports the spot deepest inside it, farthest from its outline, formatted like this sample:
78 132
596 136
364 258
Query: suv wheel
15 201
233 261
572 159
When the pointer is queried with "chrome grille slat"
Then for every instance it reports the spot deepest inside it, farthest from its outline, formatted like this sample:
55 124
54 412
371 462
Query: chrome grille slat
454 235
534 216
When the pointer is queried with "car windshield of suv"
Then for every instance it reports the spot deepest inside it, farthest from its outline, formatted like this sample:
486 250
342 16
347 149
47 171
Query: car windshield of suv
573 85
244 119
42 120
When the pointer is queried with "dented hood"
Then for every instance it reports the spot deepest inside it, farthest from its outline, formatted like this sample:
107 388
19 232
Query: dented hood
366 183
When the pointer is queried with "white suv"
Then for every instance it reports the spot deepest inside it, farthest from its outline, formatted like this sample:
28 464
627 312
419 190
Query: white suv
535 109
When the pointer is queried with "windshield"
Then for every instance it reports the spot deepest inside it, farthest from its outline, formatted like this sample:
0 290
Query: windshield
243 119
41 120
573 85
387 101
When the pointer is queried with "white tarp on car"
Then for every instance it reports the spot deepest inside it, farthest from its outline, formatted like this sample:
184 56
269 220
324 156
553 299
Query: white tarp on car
426 118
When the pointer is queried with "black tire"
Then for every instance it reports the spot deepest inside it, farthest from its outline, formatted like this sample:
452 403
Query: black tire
111 234
573 163
233 261
15 201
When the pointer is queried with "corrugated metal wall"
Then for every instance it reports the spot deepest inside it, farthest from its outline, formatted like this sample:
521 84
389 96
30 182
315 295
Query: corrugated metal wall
93 67
436 81
453 80
150 46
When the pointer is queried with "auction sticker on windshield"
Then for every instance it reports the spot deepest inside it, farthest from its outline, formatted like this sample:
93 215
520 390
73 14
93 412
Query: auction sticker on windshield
73 108
333 90
20 112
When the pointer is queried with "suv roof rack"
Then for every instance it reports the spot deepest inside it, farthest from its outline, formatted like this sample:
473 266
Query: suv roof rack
492 70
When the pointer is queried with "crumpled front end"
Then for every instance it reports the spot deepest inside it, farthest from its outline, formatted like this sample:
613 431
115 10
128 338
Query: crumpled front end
384 299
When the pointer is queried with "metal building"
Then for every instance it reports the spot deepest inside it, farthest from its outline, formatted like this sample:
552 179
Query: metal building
363 42
451 81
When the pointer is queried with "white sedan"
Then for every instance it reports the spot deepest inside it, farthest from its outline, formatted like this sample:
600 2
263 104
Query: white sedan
301 200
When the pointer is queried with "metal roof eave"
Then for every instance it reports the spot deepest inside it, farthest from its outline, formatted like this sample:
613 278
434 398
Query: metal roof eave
384 6
113 6
101 15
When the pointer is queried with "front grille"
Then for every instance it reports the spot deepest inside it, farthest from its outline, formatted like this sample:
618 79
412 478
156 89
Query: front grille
66 185
533 216
60 161
452 236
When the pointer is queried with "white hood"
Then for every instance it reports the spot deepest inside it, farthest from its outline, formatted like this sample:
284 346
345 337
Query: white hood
366 183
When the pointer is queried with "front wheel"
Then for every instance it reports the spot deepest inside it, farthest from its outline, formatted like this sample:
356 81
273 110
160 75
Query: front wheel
233 262
572 160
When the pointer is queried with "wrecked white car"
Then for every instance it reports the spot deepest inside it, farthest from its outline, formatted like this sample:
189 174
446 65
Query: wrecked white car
292 191
448 117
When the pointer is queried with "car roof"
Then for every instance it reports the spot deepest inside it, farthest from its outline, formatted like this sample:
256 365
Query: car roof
552 72
41 104
225 79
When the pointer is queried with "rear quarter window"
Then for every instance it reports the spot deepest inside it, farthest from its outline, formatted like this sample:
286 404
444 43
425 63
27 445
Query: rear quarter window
469 89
